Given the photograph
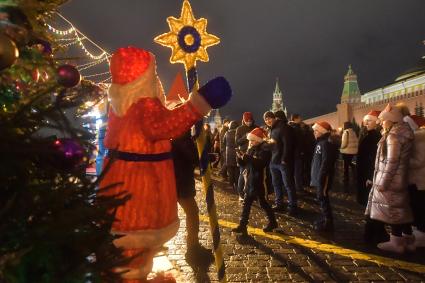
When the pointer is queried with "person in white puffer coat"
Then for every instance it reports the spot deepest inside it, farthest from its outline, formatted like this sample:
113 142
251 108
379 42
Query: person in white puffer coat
389 200
416 177
349 148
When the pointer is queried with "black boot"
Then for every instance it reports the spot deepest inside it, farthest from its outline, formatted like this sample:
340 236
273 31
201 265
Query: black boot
240 229
198 255
270 226
374 232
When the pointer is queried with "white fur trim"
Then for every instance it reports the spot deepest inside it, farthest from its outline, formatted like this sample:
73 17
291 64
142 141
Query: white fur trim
370 117
412 124
149 239
252 137
199 103
320 129
141 272
147 85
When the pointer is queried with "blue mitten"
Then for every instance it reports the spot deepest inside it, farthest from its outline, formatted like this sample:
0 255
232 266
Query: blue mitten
216 92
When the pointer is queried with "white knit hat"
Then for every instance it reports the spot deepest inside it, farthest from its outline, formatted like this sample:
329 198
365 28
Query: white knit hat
391 113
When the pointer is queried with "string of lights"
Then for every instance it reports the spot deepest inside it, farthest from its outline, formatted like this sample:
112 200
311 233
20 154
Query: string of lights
90 65
70 37
96 75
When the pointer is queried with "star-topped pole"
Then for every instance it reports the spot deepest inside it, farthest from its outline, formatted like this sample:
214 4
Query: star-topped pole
189 40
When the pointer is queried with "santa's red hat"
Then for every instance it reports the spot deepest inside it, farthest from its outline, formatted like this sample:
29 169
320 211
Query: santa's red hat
134 75
258 134
128 64
414 121
247 116
372 116
322 127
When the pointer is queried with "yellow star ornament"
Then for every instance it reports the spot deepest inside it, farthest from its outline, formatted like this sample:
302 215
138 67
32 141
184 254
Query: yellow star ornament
187 38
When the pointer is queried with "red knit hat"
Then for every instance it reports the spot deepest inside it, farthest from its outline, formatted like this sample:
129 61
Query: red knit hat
414 121
322 127
247 116
372 115
129 63
258 134
420 121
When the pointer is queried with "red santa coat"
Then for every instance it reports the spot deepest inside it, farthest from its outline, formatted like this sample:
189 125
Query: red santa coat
146 129
143 125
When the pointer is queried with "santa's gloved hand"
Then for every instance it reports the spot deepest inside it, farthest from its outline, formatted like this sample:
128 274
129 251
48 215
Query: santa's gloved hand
216 92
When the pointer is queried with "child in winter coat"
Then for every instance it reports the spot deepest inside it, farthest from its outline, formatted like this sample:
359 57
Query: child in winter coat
389 198
255 161
322 173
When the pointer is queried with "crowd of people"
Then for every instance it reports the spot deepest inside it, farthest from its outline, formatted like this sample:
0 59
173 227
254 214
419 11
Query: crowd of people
384 159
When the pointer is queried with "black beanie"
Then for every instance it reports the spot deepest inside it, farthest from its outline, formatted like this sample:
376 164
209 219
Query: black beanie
269 114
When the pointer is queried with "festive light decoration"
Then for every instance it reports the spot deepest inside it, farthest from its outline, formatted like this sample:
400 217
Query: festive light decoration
187 38
68 76
80 37
8 96
44 46
8 52
73 38
68 153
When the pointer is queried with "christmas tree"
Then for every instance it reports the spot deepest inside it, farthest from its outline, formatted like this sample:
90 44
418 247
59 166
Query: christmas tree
54 227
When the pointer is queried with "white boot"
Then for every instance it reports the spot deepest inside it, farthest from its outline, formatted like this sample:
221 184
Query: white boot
395 244
410 242
419 238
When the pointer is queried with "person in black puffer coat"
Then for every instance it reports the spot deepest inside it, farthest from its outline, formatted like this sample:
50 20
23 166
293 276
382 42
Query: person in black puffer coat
368 145
254 162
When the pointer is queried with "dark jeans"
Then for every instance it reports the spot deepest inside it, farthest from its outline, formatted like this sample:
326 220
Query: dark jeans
282 176
324 202
246 209
348 158
223 170
269 183
307 159
241 182
417 202
298 173
233 173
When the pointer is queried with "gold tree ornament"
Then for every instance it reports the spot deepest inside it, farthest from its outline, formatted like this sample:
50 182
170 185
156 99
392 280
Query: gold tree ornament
187 38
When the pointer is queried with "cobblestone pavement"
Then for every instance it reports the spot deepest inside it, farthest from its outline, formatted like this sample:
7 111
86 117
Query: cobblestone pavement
294 253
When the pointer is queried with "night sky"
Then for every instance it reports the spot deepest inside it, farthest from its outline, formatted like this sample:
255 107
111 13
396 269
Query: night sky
307 44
